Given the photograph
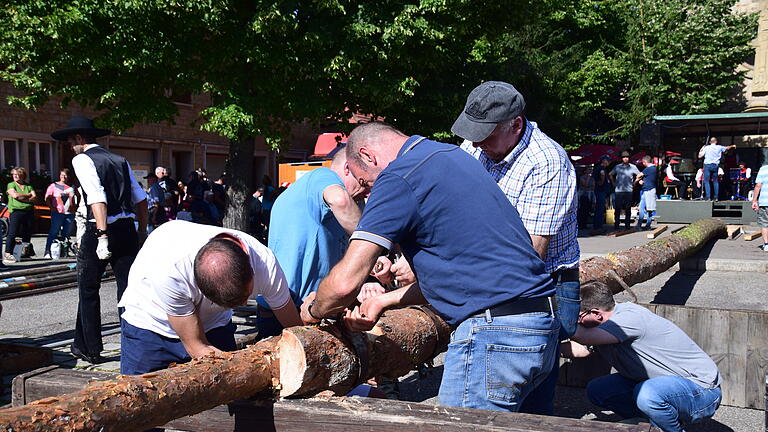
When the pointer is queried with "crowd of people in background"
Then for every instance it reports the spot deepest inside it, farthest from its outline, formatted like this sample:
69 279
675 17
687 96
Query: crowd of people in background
623 184
200 199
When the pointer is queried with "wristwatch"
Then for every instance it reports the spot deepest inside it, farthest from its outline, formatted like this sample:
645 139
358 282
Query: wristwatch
309 311
100 233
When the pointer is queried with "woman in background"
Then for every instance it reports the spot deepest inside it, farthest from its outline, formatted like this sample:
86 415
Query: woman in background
62 198
21 197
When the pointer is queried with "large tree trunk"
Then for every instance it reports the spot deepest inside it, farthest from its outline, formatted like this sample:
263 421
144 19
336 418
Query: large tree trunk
240 179
402 339
642 263
305 360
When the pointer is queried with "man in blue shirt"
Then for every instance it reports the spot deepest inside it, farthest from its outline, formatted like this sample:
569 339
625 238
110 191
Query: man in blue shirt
309 230
647 180
477 268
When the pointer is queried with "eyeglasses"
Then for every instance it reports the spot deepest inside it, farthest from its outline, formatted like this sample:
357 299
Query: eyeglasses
583 315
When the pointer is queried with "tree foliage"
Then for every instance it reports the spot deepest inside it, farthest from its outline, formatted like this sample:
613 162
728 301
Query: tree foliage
585 66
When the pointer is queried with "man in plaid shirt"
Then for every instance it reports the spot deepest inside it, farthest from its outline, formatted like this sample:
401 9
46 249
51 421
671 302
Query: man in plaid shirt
537 177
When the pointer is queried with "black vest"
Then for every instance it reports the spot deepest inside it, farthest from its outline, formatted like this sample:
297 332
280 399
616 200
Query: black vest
115 179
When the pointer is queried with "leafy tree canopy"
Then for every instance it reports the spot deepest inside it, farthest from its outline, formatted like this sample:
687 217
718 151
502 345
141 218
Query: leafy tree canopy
586 66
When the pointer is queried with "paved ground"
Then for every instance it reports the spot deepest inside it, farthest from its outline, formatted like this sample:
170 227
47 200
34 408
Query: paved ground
49 319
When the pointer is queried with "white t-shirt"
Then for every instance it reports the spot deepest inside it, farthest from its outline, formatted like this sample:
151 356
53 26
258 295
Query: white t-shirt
161 280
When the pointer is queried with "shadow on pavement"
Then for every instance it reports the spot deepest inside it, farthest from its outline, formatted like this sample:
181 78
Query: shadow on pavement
679 287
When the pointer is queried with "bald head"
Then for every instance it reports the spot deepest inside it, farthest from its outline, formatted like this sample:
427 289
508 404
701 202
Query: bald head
223 272
374 135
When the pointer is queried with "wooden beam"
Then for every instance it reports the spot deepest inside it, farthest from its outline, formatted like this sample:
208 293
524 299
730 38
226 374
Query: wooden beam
733 231
657 232
335 413
753 235
622 232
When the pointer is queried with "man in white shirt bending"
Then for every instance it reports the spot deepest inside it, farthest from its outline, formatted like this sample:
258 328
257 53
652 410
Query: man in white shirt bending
182 288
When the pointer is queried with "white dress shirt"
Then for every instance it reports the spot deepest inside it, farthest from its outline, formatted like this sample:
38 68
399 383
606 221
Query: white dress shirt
86 173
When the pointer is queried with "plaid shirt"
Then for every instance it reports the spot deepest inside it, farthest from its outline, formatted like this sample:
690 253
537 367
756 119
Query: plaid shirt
540 182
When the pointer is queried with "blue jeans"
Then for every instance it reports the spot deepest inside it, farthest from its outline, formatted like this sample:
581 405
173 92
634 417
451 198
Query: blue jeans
541 399
668 401
642 213
59 222
494 362
143 351
710 172
599 218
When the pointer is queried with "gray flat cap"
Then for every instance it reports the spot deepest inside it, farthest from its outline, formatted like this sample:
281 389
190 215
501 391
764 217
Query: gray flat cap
489 104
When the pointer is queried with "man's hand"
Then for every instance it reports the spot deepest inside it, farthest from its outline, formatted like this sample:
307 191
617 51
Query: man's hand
403 272
365 316
382 271
755 206
369 290
305 316
102 249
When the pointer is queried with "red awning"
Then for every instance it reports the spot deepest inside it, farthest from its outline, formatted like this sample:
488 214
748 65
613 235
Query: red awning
326 142
591 153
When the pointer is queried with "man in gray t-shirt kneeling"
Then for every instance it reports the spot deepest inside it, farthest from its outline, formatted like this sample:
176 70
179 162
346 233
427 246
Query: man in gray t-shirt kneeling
662 374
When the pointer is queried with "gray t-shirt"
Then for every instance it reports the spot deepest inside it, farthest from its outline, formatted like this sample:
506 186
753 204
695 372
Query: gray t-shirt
623 175
651 346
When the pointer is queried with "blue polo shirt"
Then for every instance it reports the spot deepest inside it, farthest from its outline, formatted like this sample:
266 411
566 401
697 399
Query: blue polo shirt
649 178
463 238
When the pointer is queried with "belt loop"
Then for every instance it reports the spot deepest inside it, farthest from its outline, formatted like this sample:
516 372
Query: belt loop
488 316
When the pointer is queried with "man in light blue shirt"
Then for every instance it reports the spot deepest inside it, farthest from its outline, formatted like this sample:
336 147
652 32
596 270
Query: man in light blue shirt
760 204
712 153
309 230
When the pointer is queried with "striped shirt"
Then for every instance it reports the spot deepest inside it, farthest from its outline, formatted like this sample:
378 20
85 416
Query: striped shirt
540 181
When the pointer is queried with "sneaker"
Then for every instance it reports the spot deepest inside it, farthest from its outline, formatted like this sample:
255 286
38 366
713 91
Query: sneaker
47 255
764 247
9 258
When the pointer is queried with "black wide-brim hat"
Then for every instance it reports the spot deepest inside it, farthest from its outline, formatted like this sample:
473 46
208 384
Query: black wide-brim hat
79 125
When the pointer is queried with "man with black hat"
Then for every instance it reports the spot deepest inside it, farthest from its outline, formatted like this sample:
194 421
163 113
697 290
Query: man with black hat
537 177
114 199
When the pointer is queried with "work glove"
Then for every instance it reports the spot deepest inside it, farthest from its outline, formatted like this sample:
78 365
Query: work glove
102 249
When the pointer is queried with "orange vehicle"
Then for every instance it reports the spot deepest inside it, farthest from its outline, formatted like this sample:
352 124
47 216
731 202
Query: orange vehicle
41 224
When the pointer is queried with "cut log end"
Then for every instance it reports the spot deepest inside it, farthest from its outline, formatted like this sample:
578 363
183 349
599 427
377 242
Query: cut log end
293 364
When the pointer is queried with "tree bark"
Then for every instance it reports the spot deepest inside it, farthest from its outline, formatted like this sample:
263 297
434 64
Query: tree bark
239 177
312 361
402 339
137 403
642 263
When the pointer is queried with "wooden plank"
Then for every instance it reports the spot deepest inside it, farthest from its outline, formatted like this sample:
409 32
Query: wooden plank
753 235
622 232
657 232
379 415
757 360
735 381
732 231
47 382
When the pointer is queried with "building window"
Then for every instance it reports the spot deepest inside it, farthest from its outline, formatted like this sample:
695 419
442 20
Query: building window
10 154
40 157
